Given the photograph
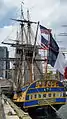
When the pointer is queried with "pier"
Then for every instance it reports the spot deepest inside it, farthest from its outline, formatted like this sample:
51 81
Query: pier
8 110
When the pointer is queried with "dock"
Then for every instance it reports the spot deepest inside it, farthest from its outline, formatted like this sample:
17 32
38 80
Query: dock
9 110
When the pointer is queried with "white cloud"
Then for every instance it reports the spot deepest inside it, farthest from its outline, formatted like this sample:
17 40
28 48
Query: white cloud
51 13
6 6
6 35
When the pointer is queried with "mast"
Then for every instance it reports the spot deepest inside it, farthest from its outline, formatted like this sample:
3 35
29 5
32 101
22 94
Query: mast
47 56
22 55
29 28
34 48
19 65
25 52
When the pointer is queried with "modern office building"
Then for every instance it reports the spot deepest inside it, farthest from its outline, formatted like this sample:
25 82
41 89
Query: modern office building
4 64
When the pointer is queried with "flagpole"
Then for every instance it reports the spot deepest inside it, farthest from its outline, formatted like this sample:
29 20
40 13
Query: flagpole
46 65
47 57
45 43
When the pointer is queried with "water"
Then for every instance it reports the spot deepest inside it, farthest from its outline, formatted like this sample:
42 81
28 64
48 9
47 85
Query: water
61 114
63 111
47 117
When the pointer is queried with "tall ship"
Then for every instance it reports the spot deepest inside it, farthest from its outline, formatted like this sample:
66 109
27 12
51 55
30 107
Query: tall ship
33 86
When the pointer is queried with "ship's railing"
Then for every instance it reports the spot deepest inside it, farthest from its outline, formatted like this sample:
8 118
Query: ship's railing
49 76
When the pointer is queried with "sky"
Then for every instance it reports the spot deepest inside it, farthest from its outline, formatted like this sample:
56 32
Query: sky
50 13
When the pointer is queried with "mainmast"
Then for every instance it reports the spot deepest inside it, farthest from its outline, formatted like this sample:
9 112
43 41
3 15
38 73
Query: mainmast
29 28
26 52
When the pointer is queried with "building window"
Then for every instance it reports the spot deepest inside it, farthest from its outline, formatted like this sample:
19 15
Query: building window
64 94
39 95
27 97
49 95
45 83
53 94
44 95
31 97
35 95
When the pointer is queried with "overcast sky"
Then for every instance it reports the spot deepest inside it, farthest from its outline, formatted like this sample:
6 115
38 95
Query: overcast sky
50 13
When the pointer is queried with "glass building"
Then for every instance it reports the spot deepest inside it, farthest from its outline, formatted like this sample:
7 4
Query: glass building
4 64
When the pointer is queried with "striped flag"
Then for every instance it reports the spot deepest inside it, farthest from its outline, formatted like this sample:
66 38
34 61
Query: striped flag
44 43
44 30
53 51
45 37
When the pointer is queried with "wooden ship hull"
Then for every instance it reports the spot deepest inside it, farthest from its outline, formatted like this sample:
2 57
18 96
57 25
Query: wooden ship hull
41 93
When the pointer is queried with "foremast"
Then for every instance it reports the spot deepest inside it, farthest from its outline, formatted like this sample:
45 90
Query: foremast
27 54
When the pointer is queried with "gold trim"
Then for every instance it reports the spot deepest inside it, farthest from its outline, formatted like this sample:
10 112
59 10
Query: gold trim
43 105
39 99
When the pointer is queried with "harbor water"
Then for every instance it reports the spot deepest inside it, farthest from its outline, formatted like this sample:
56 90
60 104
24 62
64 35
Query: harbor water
60 114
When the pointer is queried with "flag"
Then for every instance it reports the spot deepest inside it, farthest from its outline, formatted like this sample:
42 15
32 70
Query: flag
48 42
44 43
53 51
44 30
60 63
55 57
45 37
53 45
